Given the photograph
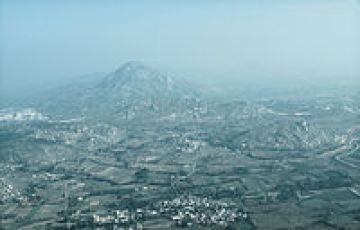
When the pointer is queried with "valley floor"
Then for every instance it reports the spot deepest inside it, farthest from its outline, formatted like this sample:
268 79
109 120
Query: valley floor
197 173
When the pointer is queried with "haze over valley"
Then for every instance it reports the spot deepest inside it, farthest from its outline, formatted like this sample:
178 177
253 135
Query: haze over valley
201 115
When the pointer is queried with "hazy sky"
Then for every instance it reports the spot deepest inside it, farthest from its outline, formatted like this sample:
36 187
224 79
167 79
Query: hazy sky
44 41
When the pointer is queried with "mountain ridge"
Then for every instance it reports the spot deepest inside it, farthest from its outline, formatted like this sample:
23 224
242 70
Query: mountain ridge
133 86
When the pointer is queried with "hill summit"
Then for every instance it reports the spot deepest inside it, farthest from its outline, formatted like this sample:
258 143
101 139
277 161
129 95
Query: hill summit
134 89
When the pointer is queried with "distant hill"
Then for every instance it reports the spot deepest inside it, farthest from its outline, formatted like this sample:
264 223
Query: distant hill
132 90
